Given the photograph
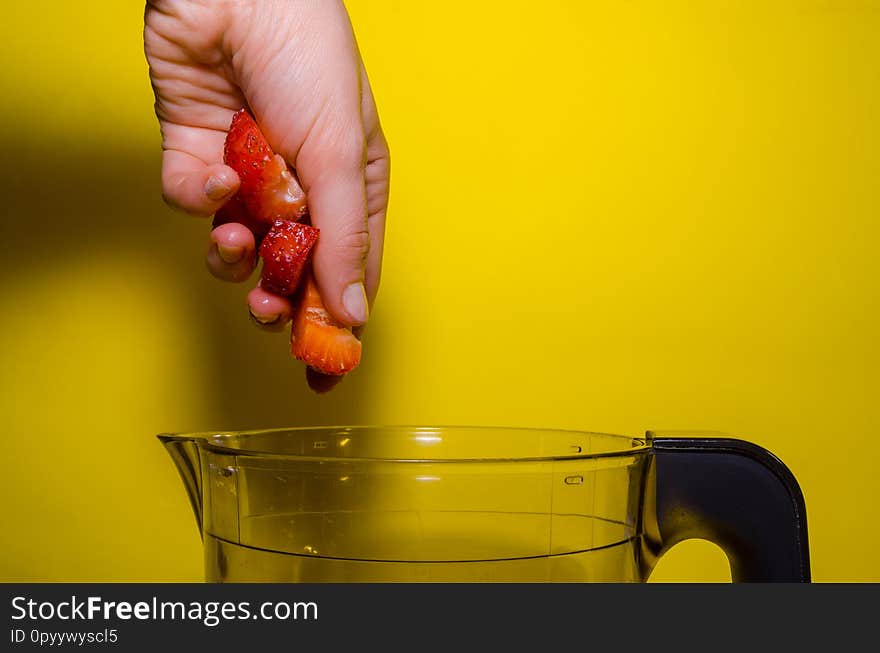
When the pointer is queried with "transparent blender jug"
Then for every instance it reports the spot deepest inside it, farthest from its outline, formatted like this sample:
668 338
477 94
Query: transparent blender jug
425 504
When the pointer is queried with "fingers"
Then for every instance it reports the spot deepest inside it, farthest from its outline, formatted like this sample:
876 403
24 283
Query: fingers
269 310
324 140
377 177
345 168
191 185
337 204
377 174
231 255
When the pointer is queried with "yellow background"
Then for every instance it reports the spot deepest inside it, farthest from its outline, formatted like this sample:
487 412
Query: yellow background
611 215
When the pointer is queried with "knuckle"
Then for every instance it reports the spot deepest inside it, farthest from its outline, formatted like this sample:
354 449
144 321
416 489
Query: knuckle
378 170
354 244
349 156
174 198
171 184
385 151
345 148
382 164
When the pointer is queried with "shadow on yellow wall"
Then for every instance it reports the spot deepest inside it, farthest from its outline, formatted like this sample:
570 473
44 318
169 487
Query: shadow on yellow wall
607 216
113 331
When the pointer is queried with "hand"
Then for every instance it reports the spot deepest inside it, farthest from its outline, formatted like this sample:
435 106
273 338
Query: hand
297 67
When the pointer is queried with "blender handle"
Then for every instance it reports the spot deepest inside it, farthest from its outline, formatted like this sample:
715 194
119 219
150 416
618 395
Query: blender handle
734 494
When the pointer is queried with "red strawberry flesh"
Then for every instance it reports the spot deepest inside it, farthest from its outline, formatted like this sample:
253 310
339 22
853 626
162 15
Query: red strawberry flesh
285 251
269 190
317 339
235 211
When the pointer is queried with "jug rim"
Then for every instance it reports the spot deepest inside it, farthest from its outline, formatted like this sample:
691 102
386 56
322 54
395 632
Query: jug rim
228 442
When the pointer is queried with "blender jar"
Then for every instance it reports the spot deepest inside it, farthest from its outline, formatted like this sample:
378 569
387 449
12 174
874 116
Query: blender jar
459 504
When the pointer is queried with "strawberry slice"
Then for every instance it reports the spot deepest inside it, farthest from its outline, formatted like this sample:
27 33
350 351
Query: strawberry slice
270 202
284 251
318 340
269 189
235 211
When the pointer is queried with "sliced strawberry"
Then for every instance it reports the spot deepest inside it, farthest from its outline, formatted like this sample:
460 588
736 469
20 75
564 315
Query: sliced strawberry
284 251
269 190
318 340
269 202
235 211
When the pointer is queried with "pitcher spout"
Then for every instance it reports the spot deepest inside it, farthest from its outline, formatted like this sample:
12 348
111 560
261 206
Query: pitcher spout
184 451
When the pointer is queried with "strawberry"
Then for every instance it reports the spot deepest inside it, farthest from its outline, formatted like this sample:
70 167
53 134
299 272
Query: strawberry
284 251
269 189
269 202
318 340
235 211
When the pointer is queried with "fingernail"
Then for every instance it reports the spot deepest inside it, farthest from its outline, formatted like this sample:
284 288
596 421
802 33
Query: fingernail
354 299
230 254
265 320
216 189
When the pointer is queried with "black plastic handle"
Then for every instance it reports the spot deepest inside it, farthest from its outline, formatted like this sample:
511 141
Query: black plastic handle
730 492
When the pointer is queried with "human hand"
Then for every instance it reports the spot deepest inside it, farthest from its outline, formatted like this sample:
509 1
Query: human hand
297 67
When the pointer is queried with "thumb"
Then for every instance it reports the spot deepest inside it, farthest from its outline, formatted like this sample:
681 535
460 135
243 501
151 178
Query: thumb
308 97
331 166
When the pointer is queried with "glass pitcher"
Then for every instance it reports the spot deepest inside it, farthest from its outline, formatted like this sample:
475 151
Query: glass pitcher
459 504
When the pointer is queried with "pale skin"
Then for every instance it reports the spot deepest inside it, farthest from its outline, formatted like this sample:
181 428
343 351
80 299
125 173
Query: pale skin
296 65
